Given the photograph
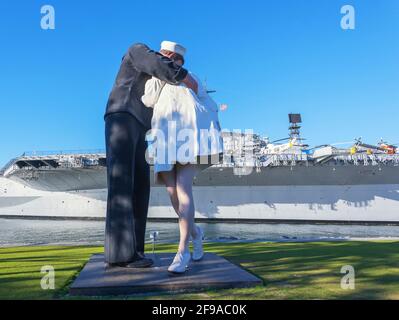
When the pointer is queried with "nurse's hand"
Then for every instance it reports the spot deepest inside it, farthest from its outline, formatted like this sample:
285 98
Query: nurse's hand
190 82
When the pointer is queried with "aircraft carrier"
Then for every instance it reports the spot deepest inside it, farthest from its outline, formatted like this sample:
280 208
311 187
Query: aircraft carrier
258 180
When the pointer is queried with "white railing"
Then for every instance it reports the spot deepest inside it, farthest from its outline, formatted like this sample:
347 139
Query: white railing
6 168
87 158
62 152
294 159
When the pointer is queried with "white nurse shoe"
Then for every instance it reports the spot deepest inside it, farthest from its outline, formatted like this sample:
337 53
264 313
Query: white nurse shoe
180 262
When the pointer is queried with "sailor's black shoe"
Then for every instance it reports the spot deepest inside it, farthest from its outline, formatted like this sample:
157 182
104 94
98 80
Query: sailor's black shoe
139 263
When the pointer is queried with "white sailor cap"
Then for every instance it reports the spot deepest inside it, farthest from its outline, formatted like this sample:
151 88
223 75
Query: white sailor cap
173 47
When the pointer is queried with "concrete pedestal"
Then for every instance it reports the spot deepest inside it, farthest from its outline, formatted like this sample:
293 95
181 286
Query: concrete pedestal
212 272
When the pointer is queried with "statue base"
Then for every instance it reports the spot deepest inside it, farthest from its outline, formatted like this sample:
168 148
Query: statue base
212 272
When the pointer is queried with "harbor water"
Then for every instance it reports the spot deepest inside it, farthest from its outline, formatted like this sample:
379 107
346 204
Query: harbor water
19 232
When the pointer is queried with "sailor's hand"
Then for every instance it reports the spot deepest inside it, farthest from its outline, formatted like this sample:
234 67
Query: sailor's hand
190 82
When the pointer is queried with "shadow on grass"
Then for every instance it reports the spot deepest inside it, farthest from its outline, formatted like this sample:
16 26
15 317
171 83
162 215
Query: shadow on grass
20 269
288 270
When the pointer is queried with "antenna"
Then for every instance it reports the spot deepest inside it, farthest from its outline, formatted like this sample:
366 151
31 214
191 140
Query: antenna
294 119
206 87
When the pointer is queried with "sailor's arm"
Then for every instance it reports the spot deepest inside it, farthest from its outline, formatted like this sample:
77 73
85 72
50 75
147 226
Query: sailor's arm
148 61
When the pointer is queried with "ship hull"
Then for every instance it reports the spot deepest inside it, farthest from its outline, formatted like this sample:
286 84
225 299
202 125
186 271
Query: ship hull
361 203
78 179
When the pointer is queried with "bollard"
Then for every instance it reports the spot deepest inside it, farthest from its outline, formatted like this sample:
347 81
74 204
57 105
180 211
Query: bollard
154 236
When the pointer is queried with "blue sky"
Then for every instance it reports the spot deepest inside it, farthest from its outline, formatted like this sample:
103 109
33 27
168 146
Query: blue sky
265 58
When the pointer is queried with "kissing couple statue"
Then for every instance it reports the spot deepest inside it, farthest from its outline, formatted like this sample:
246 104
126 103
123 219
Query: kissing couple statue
156 106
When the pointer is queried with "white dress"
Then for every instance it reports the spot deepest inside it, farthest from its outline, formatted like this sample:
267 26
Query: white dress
185 126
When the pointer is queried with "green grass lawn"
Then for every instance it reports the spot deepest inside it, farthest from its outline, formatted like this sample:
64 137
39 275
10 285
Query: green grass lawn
289 270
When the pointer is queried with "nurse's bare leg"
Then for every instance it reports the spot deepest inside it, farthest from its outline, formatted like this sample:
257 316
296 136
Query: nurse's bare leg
169 179
184 187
